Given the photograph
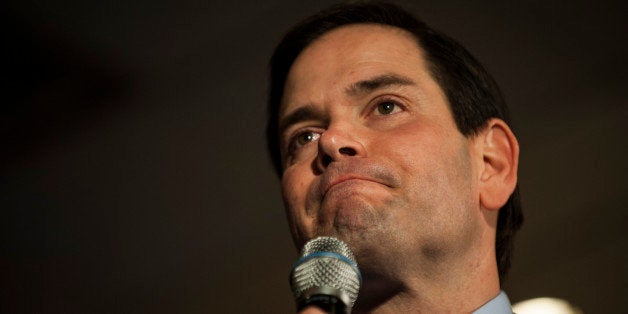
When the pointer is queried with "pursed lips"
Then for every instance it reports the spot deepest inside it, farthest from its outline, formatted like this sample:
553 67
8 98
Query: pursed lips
355 169
326 185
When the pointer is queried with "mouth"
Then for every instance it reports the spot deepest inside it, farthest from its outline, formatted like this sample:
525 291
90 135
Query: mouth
352 172
346 179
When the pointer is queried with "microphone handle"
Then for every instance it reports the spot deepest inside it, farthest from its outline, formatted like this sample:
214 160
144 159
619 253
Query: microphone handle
328 303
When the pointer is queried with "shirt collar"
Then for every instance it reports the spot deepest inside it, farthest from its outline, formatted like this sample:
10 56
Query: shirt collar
498 305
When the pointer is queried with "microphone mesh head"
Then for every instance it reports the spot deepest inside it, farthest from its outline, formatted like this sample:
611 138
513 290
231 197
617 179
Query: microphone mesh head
327 266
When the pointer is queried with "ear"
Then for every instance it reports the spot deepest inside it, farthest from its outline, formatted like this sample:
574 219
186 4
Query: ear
498 176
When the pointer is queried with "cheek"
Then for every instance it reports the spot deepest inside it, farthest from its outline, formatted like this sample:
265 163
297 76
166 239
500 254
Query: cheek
429 159
294 191
414 148
294 187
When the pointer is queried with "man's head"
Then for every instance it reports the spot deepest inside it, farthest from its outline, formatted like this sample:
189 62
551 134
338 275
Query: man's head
386 131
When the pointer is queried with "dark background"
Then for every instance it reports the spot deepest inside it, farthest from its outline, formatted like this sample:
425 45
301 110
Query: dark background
134 176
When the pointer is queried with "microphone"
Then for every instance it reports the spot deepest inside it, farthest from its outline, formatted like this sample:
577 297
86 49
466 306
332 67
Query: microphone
326 276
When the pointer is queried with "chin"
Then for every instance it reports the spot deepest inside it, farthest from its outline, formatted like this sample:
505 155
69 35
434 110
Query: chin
353 211
352 219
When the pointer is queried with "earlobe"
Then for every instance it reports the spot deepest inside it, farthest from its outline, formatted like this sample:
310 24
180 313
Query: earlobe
500 152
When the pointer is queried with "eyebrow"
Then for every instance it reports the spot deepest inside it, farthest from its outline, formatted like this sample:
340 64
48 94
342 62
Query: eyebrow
308 112
377 82
311 112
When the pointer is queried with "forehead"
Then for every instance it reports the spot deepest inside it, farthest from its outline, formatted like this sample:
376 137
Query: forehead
349 54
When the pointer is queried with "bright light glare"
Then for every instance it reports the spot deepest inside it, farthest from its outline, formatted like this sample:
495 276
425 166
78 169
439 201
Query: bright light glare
545 306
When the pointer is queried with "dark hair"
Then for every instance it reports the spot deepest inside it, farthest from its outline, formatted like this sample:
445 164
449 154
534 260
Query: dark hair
473 95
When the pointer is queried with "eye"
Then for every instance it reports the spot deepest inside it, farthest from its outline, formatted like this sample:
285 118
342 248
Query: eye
387 107
306 137
301 139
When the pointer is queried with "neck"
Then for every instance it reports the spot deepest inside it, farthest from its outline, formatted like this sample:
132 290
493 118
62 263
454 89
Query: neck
458 287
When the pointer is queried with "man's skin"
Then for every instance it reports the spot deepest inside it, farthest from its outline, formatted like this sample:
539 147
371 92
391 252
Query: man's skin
372 155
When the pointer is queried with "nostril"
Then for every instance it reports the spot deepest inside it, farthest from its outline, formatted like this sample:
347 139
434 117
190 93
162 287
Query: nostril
347 151
326 160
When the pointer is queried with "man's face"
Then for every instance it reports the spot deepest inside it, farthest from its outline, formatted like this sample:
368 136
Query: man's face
371 152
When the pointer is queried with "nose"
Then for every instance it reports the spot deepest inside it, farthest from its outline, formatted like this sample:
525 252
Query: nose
336 143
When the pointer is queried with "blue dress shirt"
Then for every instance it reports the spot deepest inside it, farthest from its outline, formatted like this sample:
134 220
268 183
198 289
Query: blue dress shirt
498 305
